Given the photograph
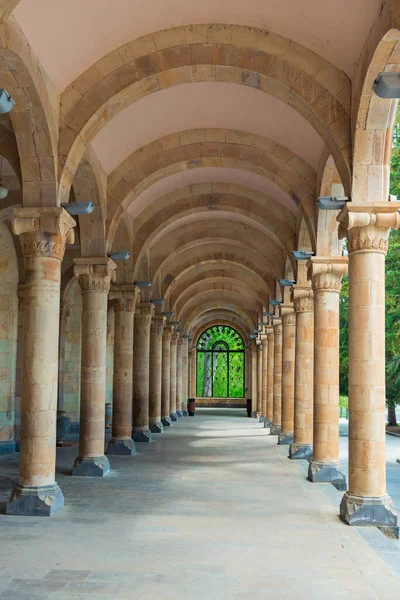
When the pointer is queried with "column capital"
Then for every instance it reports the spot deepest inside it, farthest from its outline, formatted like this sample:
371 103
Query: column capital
44 231
289 317
326 272
95 274
167 332
367 226
174 336
270 333
145 309
157 324
303 299
124 297
277 326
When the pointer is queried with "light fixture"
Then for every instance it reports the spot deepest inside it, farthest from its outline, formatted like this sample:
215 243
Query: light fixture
157 301
332 202
286 282
252 336
275 302
119 255
6 102
262 324
387 85
142 284
267 314
255 331
3 191
302 255
180 330
169 313
175 323
78 208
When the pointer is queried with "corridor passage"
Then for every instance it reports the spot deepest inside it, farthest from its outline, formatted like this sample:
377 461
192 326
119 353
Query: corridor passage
212 509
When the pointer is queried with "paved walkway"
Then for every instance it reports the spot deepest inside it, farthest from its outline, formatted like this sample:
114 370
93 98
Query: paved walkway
212 510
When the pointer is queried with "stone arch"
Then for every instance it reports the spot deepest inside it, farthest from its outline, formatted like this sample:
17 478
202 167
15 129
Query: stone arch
211 321
230 53
227 306
330 184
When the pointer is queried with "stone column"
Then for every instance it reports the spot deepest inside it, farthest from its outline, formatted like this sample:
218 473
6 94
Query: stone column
367 228
190 360
304 373
193 382
44 233
141 372
326 274
270 378
179 352
166 376
121 442
259 381
156 340
276 424
95 276
254 381
185 391
264 366
174 341
288 362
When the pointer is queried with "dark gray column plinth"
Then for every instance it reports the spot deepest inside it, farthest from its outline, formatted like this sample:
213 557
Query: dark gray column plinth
262 419
174 417
93 466
121 447
185 413
319 472
267 424
156 427
253 414
285 439
166 421
179 413
299 451
368 511
275 430
142 435
29 501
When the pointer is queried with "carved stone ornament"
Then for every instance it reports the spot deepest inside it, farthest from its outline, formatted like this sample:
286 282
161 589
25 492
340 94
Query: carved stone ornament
167 332
326 273
367 226
287 314
303 299
157 324
124 297
277 325
44 231
124 304
95 274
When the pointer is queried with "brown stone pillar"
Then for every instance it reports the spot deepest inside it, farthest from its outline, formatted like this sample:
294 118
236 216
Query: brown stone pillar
304 373
193 382
326 274
156 333
141 372
254 380
259 381
367 228
190 360
179 353
174 341
185 375
264 342
44 233
95 276
276 424
121 442
270 378
288 365
166 376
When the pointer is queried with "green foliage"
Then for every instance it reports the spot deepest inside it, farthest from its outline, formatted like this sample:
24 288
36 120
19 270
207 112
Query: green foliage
344 401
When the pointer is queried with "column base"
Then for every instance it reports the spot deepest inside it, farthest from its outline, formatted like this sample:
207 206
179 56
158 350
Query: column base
121 447
156 427
185 413
253 414
320 472
267 424
298 451
285 439
179 413
174 417
166 421
142 435
262 419
275 430
41 501
90 466
364 511
8 447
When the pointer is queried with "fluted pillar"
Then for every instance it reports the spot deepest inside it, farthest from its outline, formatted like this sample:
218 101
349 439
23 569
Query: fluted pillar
95 276
288 366
156 342
185 375
179 382
367 228
276 421
121 442
270 378
326 275
174 342
259 381
43 233
264 368
141 372
166 376
304 373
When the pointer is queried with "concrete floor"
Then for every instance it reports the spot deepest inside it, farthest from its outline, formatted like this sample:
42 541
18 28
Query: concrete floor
213 509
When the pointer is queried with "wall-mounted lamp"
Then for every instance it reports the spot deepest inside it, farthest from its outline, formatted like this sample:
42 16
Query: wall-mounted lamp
302 255
252 336
169 313
287 282
387 85
175 323
119 255
332 202
6 102
143 284
3 191
157 301
78 208
262 324
180 330
268 314
255 331
275 302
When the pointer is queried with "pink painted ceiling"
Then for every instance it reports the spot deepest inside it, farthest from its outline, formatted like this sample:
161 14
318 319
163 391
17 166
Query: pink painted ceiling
194 106
70 35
